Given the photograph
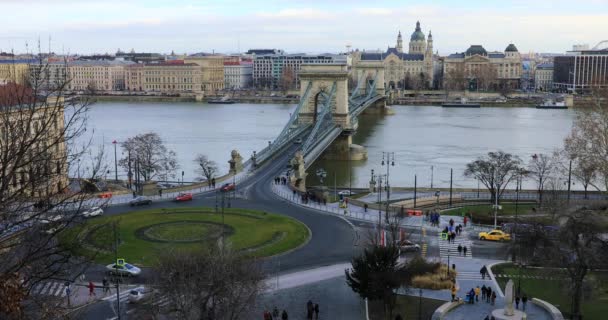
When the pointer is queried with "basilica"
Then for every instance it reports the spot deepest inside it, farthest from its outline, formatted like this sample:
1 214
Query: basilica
404 70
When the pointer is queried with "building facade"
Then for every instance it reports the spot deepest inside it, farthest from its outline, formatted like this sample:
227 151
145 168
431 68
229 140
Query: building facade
543 77
211 71
49 76
15 70
580 71
281 71
404 70
477 69
238 74
170 77
97 75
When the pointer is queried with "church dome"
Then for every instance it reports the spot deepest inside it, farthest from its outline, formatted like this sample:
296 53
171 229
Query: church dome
417 35
511 48
476 49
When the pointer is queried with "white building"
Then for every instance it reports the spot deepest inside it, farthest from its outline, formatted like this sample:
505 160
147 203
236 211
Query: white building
543 77
238 74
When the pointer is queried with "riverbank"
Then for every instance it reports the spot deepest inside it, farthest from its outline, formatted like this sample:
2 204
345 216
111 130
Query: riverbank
150 98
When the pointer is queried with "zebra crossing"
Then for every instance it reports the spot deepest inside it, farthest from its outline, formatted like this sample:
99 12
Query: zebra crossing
151 299
451 248
472 275
50 288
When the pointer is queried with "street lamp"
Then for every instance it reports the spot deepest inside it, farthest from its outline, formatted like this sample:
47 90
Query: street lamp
390 162
432 169
115 162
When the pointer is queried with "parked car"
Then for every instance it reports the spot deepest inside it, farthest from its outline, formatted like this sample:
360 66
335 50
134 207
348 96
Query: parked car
141 200
138 294
407 246
494 235
125 269
227 187
184 197
92 212
346 193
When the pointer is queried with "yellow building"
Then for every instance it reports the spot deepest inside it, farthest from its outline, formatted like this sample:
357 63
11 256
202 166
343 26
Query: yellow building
37 163
14 71
212 71
168 77
134 77
97 75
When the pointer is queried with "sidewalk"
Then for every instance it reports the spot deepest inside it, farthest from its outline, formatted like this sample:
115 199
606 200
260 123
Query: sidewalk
78 293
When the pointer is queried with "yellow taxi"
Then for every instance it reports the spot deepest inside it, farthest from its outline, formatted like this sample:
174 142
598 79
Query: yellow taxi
494 235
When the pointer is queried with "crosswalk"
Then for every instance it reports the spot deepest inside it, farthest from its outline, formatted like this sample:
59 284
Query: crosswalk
50 288
451 248
471 275
151 299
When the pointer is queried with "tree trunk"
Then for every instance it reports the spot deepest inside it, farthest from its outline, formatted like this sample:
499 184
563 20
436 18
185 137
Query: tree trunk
576 299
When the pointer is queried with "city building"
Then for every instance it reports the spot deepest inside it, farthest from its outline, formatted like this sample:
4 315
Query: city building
15 70
166 77
579 71
212 71
477 69
97 75
280 71
543 77
238 74
264 51
404 70
38 175
49 76
142 57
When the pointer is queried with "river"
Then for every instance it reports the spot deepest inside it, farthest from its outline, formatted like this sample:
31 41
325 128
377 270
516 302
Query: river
420 136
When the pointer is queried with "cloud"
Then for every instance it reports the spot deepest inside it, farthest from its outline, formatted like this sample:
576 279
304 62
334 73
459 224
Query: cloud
304 13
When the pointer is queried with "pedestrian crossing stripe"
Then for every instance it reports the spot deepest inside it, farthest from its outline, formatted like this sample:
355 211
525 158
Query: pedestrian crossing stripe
112 297
50 288
424 249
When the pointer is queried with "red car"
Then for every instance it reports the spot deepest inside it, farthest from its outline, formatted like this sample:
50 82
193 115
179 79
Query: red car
227 187
184 197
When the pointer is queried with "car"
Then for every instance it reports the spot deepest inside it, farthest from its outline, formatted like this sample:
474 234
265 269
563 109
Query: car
407 246
346 193
125 269
184 197
138 294
495 235
92 212
298 141
141 200
227 187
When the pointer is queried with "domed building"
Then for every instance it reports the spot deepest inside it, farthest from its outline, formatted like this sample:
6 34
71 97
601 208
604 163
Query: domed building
478 69
411 70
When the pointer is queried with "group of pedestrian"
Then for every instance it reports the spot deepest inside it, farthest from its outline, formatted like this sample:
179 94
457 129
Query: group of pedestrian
434 217
487 294
312 309
309 196
523 299
275 314
462 249
280 180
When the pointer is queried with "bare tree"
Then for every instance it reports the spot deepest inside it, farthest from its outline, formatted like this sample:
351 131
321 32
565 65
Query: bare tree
540 168
455 78
211 283
288 77
39 134
149 151
206 168
495 171
583 170
578 246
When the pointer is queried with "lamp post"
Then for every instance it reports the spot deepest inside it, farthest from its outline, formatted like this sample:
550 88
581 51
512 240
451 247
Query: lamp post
432 169
115 162
390 161
496 191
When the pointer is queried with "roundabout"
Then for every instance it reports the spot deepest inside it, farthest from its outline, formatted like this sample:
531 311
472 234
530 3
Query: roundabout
142 236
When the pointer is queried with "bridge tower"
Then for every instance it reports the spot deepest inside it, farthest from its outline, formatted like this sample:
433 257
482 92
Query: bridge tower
321 78
367 71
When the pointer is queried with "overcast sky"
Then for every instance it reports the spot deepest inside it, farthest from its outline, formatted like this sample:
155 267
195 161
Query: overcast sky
100 26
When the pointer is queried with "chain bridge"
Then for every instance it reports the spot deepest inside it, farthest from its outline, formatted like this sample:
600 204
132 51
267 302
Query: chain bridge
326 116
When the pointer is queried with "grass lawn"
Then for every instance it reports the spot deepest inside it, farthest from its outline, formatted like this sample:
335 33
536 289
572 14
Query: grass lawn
407 306
143 235
594 304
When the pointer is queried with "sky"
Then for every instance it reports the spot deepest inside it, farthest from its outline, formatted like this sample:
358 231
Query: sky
311 26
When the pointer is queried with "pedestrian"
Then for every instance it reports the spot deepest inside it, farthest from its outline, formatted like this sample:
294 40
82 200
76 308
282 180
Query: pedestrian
275 313
517 298
451 222
365 207
484 290
160 193
477 291
309 310
483 272
524 301
493 297
464 249
267 315
213 182
91 289
465 220
472 295
489 294
134 195
459 249
284 316
317 311
106 286
453 292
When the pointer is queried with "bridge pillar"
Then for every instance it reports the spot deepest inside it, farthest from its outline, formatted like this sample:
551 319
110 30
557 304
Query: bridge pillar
322 77
343 149
297 179
368 70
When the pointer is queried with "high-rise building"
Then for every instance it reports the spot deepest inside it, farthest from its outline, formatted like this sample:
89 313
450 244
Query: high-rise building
579 71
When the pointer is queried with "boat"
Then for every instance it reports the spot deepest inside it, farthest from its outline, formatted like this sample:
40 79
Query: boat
552 104
223 100
463 104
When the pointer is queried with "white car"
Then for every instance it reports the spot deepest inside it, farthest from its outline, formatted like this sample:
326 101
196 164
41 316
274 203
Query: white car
138 294
123 270
92 212
407 246
346 193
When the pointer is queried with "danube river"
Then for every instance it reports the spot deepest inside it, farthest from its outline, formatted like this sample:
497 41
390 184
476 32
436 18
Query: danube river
420 137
